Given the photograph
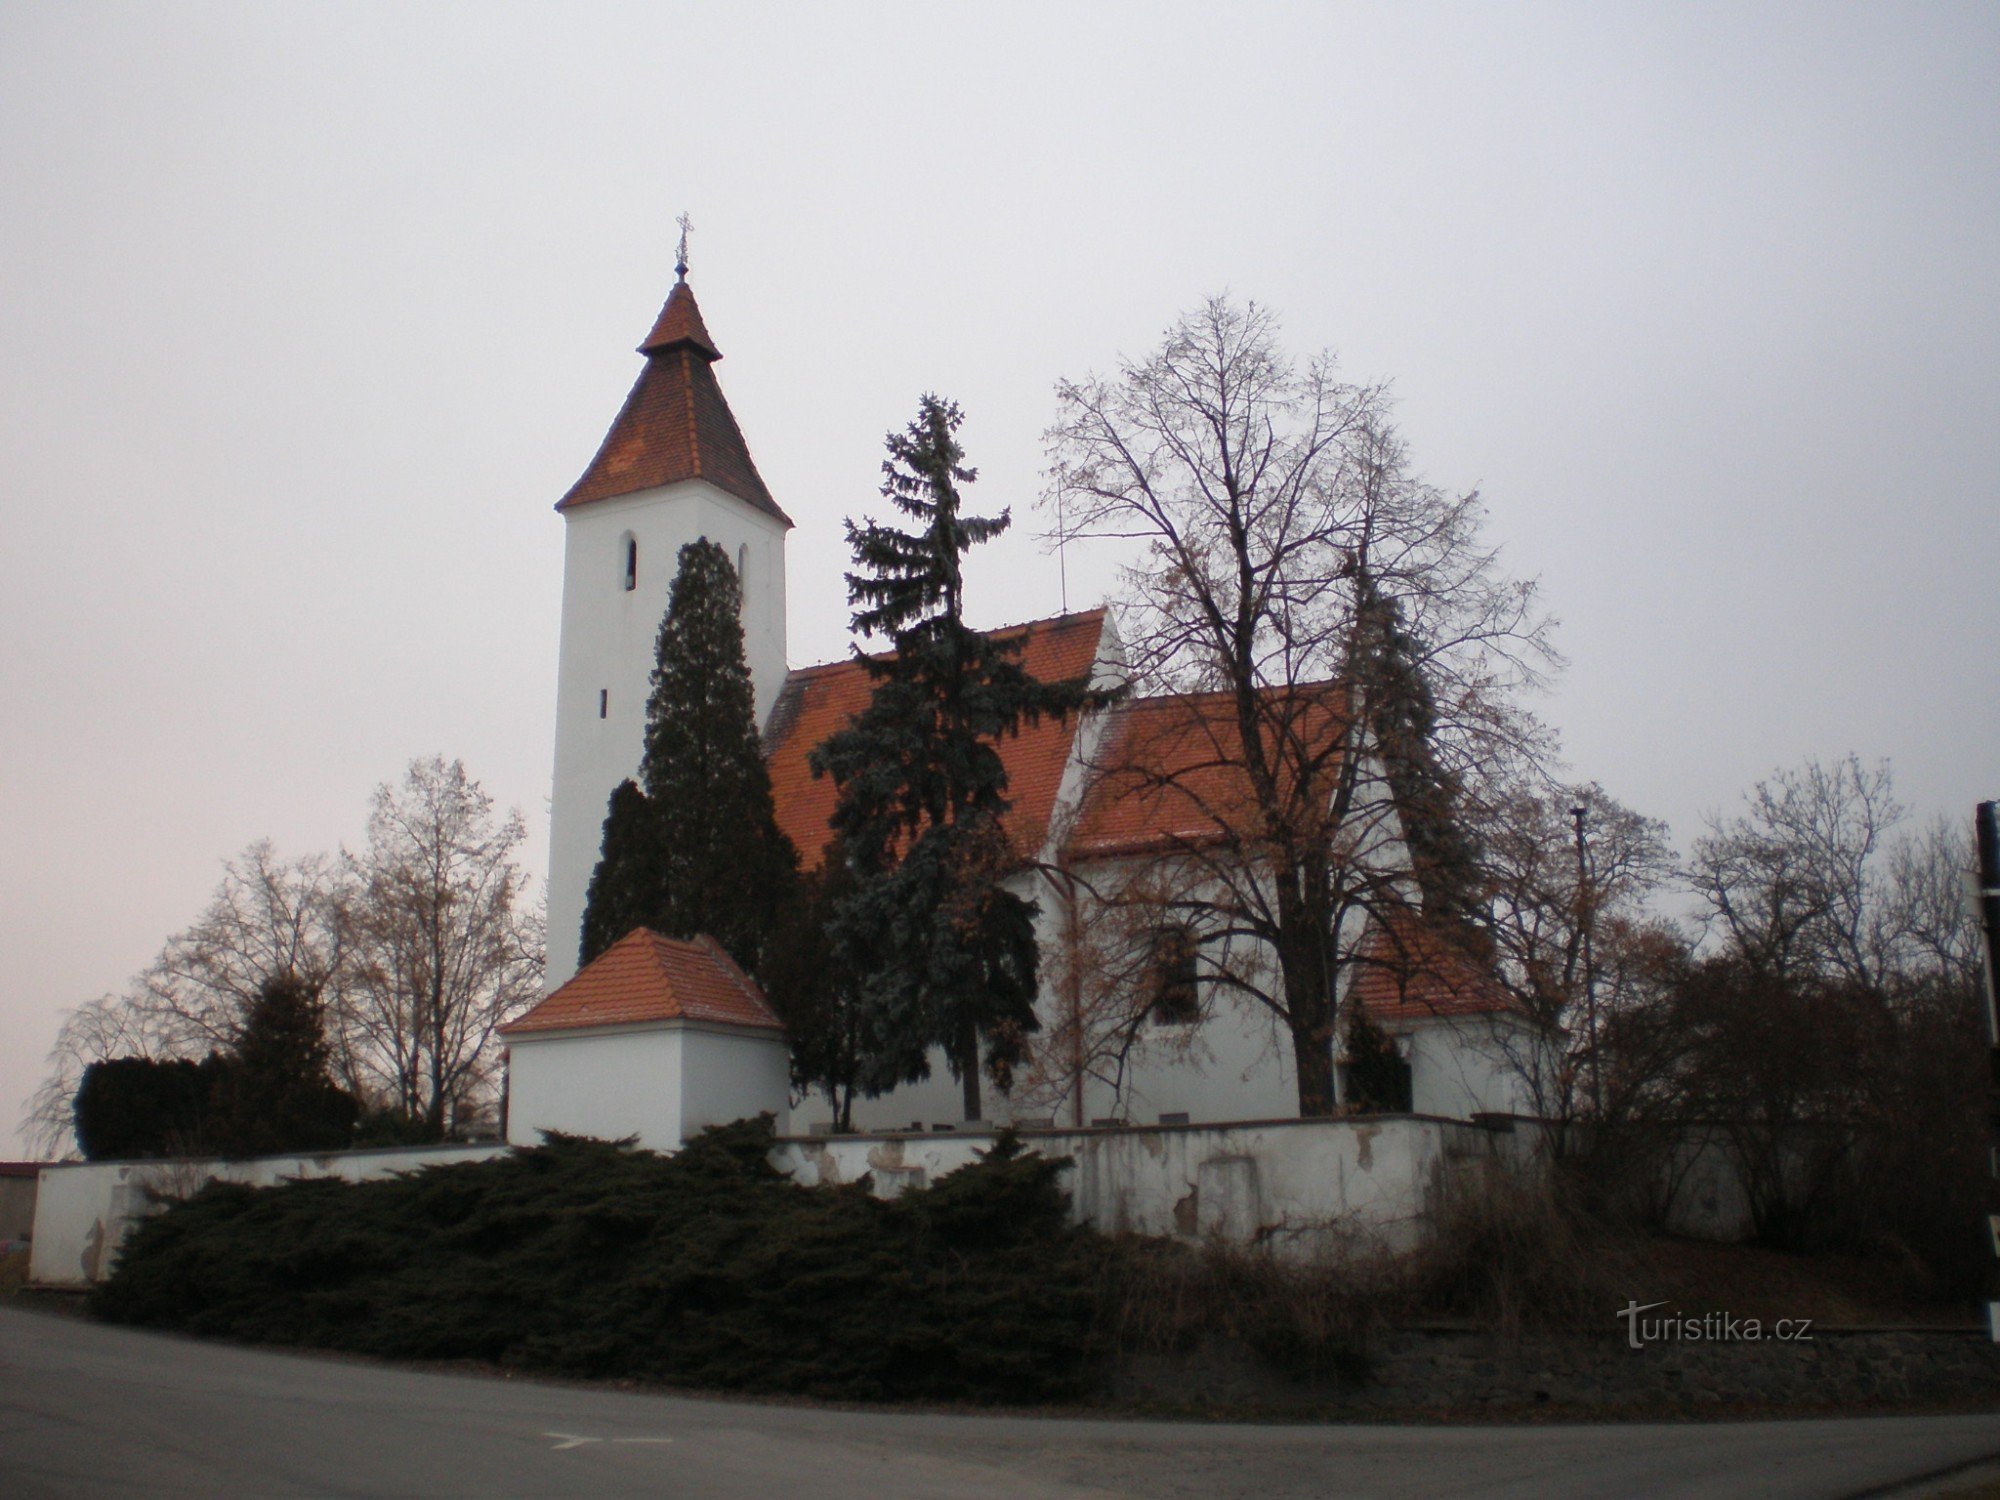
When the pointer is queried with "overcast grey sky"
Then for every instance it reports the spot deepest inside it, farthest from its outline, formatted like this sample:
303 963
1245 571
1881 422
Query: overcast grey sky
308 315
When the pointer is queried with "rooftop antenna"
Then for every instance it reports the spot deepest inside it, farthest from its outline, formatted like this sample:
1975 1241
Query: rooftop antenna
1062 551
681 256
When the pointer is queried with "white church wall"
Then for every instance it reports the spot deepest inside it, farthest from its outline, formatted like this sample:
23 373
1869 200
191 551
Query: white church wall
1462 1066
1235 1064
732 1075
609 1082
936 1100
605 660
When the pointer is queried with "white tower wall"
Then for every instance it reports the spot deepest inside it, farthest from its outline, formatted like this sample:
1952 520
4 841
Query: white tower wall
605 664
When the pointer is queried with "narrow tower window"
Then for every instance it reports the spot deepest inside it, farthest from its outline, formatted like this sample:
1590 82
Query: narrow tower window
604 703
743 576
631 562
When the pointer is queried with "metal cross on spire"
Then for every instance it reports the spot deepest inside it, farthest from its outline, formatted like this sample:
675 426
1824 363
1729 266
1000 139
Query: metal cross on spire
681 257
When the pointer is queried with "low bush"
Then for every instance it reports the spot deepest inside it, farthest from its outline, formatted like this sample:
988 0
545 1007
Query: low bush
707 1268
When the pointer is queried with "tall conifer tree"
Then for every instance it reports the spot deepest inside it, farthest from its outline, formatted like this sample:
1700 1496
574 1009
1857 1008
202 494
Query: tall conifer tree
275 1091
1387 671
947 955
697 848
625 886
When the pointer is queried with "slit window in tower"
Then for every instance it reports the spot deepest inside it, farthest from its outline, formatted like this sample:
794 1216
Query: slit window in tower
604 703
631 563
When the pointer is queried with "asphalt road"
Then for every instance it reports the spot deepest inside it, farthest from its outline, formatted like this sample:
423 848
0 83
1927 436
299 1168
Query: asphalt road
87 1410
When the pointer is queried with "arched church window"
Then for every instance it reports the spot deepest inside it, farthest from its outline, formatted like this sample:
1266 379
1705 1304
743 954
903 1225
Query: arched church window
743 575
631 562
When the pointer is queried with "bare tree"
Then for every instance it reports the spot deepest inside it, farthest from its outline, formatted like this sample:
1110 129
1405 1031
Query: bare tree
1794 882
1834 1032
1568 911
1123 978
443 947
1330 646
269 919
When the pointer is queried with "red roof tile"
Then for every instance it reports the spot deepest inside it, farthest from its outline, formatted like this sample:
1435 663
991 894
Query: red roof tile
1410 972
1169 772
680 322
645 977
817 701
675 424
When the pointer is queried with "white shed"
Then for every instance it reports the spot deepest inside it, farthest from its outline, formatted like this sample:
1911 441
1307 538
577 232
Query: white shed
654 1038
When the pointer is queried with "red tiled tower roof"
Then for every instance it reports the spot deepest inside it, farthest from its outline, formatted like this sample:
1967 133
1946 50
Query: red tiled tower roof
645 977
675 424
817 701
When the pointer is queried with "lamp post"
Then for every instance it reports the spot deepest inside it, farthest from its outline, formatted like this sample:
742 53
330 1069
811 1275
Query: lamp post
1986 896
1586 917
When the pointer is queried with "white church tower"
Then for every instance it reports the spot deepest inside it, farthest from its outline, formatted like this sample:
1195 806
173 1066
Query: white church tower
672 468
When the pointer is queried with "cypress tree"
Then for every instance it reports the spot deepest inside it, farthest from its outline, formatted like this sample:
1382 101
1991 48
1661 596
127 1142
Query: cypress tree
808 982
948 957
629 873
698 850
275 1092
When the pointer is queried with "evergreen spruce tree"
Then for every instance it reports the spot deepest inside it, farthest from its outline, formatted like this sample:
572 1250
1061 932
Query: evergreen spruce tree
947 956
698 850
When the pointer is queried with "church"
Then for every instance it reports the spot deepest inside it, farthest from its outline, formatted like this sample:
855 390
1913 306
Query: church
1139 1022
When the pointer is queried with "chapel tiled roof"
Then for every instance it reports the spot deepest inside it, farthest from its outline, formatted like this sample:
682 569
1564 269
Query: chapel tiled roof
1170 770
645 977
817 701
675 424
1409 971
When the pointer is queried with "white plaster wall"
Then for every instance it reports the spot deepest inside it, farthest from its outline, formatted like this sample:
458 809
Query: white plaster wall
1235 1064
732 1075
85 1210
1303 1187
610 1083
937 1100
1460 1067
608 635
